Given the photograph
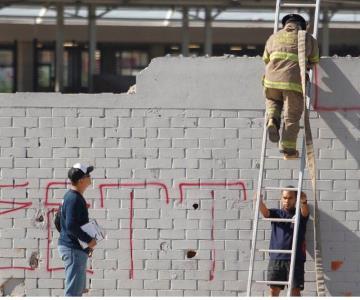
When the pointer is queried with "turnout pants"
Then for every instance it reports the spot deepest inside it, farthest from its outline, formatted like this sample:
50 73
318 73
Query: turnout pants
292 103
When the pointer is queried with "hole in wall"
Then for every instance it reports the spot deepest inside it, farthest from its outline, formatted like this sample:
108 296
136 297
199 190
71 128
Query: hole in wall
34 260
190 253
195 206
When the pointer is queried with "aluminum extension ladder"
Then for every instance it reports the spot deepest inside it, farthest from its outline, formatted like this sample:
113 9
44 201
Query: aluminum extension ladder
260 186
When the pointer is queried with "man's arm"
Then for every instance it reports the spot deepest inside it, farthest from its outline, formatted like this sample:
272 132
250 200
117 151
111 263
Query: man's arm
263 209
72 222
304 208
314 55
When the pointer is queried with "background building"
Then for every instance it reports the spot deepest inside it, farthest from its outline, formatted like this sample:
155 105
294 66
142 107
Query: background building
45 45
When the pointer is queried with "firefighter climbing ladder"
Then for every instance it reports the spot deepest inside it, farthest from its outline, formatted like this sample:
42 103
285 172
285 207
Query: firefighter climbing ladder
307 149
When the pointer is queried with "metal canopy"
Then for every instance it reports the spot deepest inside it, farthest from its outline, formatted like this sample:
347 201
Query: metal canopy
260 4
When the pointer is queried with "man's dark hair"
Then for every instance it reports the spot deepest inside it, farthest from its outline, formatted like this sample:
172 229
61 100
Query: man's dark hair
291 187
75 173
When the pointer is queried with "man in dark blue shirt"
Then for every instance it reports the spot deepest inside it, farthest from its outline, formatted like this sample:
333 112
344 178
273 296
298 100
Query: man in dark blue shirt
74 214
281 238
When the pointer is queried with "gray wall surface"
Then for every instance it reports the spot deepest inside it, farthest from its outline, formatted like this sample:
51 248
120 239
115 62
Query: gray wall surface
192 133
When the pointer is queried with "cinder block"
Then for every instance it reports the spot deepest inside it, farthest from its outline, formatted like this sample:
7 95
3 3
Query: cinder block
135 122
43 152
198 173
12 132
38 292
104 142
224 113
185 143
13 173
78 142
197 133
38 132
145 153
186 224
50 283
91 132
237 123
198 153
52 122
91 112
106 284
157 122
117 112
211 143
211 122
183 122
346 205
38 112
64 112
117 132
227 133
64 132
132 143
187 244
214 285
201 113
145 234
157 264
53 142
11 111
332 174
183 284
20 122
158 143
92 152
143 293
116 152
156 284
8 162
171 293
171 133
198 234
185 163
104 122
172 234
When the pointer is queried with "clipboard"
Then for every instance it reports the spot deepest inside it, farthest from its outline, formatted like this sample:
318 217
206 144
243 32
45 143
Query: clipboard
92 229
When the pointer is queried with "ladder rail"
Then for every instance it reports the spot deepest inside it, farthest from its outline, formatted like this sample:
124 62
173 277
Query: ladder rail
257 206
302 166
316 19
297 219
277 15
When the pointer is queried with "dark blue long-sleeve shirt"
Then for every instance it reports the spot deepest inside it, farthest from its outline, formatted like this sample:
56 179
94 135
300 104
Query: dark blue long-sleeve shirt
74 214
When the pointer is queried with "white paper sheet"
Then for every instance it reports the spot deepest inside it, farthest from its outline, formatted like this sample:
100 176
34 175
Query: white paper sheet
93 229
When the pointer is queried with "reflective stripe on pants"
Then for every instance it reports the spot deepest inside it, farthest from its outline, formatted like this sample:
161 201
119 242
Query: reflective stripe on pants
292 104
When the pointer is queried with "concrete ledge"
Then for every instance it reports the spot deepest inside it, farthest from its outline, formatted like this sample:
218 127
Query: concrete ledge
209 83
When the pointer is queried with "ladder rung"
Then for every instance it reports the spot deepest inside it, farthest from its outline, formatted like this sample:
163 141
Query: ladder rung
279 220
275 251
275 188
273 282
298 5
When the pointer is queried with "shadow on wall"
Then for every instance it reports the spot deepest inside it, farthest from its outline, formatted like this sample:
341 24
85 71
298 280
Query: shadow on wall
335 91
340 253
346 128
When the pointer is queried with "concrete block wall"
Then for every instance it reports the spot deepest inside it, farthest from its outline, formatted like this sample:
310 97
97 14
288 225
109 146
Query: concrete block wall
175 173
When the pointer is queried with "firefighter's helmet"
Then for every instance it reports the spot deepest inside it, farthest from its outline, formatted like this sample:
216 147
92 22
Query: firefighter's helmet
296 18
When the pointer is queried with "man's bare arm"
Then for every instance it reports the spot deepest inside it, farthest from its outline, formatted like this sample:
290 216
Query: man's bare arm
304 208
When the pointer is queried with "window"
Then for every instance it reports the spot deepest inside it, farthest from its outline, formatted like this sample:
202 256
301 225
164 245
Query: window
6 71
130 63
45 70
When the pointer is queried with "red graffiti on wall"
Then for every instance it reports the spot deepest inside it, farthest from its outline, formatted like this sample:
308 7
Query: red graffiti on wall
21 205
183 185
131 212
53 206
